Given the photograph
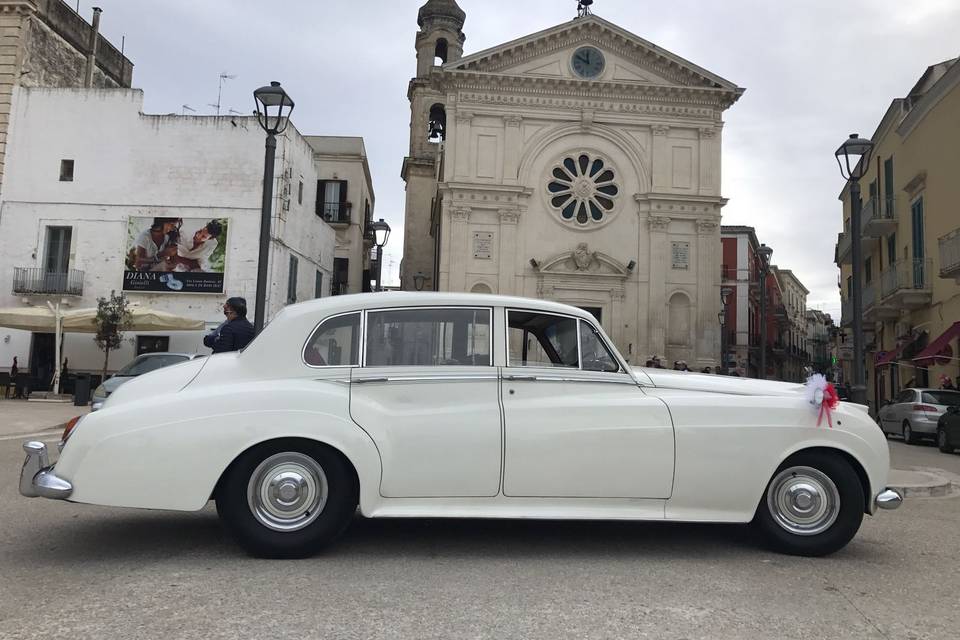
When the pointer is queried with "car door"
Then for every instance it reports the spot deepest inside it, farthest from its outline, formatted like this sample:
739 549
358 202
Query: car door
428 395
576 424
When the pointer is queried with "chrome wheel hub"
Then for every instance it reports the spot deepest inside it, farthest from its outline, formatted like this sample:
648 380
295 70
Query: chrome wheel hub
287 491
803 501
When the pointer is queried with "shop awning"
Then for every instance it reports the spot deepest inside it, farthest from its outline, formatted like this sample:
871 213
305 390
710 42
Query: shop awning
939 348
887 357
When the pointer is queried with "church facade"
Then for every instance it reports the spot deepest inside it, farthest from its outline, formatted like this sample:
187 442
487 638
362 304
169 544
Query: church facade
579 164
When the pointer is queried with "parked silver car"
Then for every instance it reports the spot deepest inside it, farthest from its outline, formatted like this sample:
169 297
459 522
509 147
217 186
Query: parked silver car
140 365
914 412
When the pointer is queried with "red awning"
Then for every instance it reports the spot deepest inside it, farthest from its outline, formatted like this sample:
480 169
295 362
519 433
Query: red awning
939 347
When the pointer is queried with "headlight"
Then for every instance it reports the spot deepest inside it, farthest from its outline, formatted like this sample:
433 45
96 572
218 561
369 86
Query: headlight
100 392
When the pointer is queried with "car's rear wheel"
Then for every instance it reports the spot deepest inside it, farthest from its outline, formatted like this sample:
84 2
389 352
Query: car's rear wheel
942 441
287 499
813 505
908 436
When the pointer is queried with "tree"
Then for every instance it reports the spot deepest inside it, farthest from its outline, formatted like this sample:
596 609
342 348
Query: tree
113 317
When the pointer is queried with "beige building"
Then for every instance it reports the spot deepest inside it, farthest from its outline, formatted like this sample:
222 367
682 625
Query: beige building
345 201
579 164
793 332
911 239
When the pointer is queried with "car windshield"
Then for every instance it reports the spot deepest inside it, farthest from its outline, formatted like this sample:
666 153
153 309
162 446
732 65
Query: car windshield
942 397
147 363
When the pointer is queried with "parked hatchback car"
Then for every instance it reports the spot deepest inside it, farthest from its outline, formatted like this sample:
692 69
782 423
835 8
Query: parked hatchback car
140 365
443 405
914 413
948 430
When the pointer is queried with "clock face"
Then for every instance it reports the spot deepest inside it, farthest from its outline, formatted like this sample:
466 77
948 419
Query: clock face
587 62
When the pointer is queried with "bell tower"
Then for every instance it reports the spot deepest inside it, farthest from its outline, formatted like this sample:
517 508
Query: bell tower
439 41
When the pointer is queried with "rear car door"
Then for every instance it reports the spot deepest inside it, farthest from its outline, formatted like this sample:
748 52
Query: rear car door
576 424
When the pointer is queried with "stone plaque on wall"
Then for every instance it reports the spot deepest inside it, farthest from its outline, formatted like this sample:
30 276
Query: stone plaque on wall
680 255
483 245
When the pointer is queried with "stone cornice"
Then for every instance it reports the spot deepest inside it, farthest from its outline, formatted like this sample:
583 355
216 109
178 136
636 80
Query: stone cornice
22 7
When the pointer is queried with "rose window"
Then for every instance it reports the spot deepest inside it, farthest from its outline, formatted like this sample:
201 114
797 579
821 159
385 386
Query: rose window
583 189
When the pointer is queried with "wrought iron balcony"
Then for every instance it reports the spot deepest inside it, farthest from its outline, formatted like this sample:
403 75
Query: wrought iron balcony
950 255
37 281
334 212
879 217
844 248
906 284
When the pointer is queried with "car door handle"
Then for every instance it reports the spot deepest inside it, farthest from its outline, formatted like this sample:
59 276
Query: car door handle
522 378
369 380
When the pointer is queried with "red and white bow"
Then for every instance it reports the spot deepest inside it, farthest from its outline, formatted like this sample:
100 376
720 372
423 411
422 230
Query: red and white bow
823 396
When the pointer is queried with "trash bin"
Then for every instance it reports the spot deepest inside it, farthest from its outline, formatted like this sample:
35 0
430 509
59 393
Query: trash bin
81 390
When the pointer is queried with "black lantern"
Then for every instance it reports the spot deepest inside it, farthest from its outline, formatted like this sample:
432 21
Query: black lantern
274 107
852 156
419 279
381 232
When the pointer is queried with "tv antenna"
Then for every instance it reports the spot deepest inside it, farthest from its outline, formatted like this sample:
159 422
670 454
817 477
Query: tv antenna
223 76
186 108
583 8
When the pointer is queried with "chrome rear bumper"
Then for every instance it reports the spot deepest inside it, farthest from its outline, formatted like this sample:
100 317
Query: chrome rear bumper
889 499
37 478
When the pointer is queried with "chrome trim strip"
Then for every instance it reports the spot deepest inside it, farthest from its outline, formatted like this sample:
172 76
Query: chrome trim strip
889 499
429 378
36 476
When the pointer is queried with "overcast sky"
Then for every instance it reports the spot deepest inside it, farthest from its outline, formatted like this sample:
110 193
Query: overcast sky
814 71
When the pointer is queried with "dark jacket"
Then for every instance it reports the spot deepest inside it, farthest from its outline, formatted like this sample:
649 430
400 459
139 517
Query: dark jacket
230 336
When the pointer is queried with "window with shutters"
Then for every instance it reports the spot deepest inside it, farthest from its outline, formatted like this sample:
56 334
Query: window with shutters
332 204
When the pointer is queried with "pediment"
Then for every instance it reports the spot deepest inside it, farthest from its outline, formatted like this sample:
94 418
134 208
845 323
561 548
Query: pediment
584 262
629 59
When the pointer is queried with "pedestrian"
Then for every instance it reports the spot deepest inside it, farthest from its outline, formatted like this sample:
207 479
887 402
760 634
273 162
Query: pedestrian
64 372
14 370
650 364
235 332
946 383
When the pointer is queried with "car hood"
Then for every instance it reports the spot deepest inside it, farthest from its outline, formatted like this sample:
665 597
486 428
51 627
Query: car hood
713 383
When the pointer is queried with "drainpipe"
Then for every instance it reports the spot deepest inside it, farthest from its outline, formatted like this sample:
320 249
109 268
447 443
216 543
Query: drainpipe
92 56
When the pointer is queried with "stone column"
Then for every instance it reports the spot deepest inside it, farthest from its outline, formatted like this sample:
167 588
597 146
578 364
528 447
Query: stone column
513 143
708 293
459 248
462 146
507 267
709 184
661 161
657 309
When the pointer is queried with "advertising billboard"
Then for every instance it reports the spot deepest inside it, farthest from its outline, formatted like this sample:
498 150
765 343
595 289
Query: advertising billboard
175 255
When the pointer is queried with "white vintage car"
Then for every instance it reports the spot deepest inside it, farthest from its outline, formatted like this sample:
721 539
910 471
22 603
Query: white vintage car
463 406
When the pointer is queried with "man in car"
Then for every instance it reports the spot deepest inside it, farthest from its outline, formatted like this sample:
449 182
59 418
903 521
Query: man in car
235 332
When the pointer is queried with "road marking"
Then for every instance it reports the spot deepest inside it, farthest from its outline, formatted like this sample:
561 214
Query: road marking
39 434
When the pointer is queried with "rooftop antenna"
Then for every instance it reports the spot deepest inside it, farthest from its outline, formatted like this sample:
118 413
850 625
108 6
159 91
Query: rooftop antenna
186 108
583 8
223 76
234 112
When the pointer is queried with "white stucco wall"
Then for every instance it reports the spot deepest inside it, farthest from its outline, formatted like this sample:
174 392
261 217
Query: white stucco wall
131 164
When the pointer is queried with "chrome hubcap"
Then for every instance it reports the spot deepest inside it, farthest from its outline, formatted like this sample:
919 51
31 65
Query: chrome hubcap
287 491
803 501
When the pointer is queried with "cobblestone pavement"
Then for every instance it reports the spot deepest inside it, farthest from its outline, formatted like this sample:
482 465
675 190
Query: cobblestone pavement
79 571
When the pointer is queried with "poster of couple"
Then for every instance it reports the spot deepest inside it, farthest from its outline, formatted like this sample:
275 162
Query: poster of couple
175 255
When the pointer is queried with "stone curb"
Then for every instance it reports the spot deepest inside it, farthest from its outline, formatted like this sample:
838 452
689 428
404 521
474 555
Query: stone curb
924 482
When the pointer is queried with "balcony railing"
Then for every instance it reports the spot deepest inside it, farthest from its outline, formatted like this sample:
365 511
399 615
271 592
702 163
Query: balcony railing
844 247
334 212
907 283
846 312
950 255
879 217
31 280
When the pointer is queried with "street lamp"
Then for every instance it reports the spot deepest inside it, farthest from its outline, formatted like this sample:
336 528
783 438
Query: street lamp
852 157
419 279
274 107
765 254
381 233
722 317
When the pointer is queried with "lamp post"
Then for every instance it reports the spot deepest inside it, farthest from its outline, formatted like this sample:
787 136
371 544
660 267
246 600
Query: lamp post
381 233
852 157
274 107
722 317
765 253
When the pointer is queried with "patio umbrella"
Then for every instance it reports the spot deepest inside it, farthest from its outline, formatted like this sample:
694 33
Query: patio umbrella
53 319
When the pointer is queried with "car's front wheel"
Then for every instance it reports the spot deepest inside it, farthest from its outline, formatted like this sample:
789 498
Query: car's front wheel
287 498
942 442
813 505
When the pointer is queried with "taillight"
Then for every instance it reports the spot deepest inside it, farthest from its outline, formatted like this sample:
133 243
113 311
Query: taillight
925 408
69 427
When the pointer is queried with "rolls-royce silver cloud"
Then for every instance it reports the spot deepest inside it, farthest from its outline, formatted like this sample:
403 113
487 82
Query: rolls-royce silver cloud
436 405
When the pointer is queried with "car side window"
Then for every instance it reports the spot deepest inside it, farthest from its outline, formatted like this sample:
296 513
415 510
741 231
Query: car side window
593 352
542 340
905 396
429 337
335 343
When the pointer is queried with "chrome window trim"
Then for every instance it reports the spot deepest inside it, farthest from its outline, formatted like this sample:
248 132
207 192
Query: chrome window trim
303 351
367 312
428 378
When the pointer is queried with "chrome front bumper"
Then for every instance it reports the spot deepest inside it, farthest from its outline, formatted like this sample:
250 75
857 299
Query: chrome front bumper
37 478
889 499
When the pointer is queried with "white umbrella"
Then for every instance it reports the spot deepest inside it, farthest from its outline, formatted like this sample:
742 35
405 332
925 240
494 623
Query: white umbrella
53 319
